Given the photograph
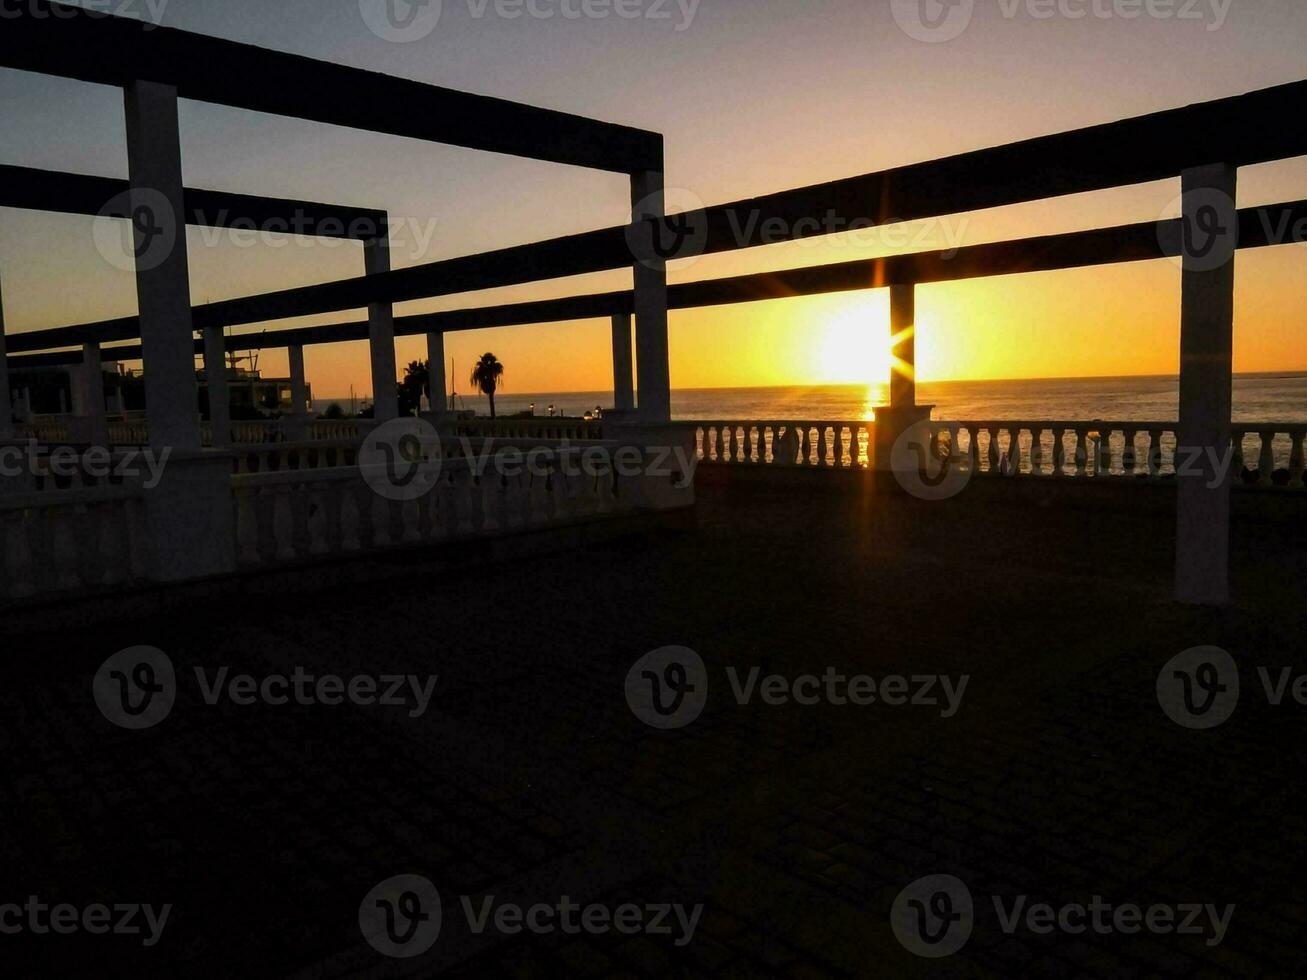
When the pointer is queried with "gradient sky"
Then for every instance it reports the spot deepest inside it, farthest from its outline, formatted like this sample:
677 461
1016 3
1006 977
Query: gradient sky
753 96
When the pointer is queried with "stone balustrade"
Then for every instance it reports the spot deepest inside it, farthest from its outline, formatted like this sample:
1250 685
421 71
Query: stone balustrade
62 541
1264 454
840 445
297 516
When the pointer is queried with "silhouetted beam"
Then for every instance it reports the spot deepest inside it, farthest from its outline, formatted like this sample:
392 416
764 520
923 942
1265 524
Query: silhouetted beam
93 47
1258 227
1245 129
1241 130
65 193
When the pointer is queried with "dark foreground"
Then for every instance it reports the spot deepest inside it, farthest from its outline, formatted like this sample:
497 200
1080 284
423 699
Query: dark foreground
529 778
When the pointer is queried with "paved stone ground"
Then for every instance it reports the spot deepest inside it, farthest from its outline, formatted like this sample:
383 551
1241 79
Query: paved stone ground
1060 778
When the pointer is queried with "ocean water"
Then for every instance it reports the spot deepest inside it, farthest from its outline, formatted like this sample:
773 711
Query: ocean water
1257 398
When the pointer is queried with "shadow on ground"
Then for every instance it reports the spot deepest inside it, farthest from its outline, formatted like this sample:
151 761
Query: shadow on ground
529 778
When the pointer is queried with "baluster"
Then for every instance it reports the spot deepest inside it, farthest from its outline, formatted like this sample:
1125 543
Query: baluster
317 522
805 457
1081 451
719 447
558 493
995 459
734 456
380 520
410 514
1013 467
606 501
1236 456
837 450
350 519
19 572
65 546
1036 451
1129 463
109 518
1266 461
283 524
762 444
539 499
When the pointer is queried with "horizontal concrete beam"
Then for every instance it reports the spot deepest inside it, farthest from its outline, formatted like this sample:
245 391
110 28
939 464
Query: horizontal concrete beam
1246 129
54 39
1258 228
66 193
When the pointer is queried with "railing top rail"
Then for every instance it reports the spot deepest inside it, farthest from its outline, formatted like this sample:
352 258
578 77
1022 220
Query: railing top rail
71 497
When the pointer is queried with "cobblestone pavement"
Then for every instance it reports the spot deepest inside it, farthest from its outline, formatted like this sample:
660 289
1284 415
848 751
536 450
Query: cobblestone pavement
796 827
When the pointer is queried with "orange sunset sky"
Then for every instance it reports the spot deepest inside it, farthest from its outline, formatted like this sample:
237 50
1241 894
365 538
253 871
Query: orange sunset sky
752 97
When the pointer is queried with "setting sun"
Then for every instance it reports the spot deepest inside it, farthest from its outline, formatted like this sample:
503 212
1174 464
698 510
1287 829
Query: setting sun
855 344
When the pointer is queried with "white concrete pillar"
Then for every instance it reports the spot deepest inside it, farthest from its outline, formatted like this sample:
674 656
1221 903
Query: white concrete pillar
437 384
623 384
162 272
1202 566
381 335
6 400
92 396
215 376
654 382
902 325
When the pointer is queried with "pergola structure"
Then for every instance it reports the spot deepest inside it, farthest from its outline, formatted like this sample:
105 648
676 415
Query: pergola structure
81 194
1203 144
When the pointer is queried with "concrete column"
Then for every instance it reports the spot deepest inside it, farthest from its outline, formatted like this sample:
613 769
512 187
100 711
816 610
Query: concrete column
6 402
654 381
437 385
623 386
381 335
902 325
1202 568
162 272
215 374
92 396
299 390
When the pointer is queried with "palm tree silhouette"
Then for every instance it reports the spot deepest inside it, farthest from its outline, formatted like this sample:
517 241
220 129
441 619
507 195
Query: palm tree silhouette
486 376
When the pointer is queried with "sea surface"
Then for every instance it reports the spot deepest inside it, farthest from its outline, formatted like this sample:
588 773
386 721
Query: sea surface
1257 398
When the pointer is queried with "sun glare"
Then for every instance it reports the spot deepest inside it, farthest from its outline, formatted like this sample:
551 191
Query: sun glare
855 347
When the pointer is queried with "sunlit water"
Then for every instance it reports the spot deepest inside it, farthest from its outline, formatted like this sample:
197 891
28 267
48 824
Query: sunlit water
1257 398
